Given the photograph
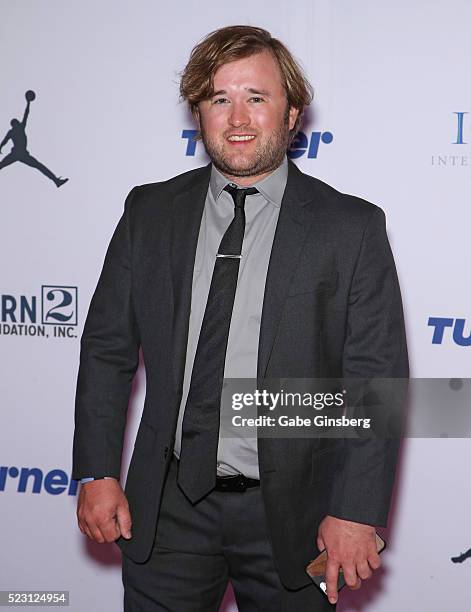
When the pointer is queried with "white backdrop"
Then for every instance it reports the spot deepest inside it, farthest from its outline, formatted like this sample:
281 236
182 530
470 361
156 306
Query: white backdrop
391 83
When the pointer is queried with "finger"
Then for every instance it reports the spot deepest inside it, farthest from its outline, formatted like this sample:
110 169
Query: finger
124 521
87 530
107 526
331 578
83 528
110 530
94 532
80 526
357 585
364 570
98 535
350 574
374 560
320 543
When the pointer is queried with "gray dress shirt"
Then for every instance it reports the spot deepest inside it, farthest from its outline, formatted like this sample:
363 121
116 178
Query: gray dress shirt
235 455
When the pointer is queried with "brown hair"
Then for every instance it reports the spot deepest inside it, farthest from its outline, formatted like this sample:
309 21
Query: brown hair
236 42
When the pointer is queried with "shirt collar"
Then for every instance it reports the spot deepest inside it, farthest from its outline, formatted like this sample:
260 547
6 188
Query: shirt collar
271 187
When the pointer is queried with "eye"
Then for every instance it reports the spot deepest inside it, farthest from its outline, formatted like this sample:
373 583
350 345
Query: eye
219 100
257 99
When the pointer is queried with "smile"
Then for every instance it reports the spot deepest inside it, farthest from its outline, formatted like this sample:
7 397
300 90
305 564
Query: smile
237 138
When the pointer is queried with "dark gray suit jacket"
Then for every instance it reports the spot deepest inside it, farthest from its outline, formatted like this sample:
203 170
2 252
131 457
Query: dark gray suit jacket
332 308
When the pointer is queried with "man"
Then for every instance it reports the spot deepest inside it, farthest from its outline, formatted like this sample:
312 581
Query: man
246 268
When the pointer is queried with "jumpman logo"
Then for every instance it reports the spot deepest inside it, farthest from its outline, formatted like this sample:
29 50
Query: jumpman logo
462 557
19 151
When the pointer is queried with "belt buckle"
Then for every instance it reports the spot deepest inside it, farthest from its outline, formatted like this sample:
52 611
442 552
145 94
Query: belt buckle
241 483
232 483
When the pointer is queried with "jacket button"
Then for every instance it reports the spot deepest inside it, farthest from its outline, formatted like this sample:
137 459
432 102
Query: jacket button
166 449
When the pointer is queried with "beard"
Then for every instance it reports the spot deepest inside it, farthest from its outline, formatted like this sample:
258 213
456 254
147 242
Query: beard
267 156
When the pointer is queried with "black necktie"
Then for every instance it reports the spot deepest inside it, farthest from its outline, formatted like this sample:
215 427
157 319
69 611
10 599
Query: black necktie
200 428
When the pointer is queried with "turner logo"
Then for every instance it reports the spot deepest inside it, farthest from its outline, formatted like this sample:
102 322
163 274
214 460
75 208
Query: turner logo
302 143
34 480
449 329
52 313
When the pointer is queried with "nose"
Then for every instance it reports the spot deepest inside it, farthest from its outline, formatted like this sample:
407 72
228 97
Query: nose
239 115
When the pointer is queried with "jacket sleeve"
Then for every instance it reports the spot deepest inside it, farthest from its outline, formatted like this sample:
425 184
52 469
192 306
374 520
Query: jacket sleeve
375 349
109 358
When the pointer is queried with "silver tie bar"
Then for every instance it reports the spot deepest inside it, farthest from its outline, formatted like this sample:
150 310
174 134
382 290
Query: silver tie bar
229 256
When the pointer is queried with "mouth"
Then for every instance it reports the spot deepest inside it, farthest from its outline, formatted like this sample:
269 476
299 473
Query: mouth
237 139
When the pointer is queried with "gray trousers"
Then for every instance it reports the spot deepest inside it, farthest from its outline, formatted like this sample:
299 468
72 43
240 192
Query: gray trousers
199 548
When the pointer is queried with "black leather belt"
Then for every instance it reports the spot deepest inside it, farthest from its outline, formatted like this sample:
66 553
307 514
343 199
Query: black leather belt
238 483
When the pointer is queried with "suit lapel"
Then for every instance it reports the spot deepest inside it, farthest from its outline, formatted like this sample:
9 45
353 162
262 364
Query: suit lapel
294 222
187 211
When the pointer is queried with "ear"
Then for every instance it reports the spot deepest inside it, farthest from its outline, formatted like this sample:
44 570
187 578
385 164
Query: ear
293 115
196 116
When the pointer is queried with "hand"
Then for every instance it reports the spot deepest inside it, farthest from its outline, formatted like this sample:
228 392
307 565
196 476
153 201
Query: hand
350 546
103 511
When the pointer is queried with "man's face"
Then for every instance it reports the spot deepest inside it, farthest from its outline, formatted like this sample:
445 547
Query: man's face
245 125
